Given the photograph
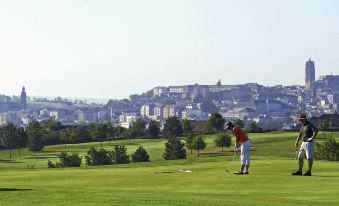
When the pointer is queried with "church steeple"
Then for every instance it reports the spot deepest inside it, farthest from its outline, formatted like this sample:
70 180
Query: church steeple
23 98
219 83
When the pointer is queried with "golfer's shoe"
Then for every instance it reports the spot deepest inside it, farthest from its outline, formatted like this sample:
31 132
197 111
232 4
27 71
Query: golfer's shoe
239 173
246 173
297 173
308 173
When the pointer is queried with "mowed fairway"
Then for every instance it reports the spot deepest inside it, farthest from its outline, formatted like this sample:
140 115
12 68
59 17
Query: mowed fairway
159 182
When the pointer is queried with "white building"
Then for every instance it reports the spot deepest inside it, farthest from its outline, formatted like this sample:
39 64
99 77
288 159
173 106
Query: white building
126 120
158 112
147 110
169 111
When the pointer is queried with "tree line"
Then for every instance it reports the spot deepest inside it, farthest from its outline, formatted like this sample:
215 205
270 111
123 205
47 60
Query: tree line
49 132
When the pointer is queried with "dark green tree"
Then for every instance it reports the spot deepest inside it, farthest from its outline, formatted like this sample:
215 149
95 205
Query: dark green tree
9 137
98 132
83 133
153 129
223 140
69 135
34 132
140 155
172 127
66 160
98 157
187 127
174 149
216 121
120 155
138 128
119 131
199 143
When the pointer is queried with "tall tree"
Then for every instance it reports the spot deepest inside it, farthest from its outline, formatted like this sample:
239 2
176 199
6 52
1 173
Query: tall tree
69 135
153 129
22 139
34 132
174 149
216 121
138 128
9 137
110 132
189 142
223 140
172 127
199 143
64 136
187 127
98 132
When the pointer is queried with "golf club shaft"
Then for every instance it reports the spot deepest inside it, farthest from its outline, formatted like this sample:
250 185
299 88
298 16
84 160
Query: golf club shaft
230 164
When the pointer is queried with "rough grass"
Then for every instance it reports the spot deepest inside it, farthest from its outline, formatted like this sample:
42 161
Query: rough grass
160 183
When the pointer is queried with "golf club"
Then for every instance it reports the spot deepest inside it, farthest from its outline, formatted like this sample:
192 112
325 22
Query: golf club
230 164
296 159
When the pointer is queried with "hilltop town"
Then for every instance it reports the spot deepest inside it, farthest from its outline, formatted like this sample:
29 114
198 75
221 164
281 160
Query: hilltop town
271 107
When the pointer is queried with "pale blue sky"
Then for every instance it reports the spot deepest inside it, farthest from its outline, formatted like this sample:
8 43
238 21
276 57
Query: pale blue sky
112 49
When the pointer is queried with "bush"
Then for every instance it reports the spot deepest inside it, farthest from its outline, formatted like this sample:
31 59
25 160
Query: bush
140 155
119 155
73 160
328 150
174 149
98 157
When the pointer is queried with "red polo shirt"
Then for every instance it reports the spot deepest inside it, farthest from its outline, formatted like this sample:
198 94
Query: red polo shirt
240 135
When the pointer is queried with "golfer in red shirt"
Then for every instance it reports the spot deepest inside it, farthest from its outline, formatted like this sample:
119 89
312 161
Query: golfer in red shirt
244 143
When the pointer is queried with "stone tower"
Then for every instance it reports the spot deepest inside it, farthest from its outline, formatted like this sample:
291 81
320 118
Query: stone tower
23 98
309 74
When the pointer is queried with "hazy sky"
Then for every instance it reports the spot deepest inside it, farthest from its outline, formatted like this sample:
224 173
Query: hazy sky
112 49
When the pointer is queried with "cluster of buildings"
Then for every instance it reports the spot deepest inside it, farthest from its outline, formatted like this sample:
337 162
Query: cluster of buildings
275 106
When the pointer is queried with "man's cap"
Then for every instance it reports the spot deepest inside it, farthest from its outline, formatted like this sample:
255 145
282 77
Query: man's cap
302 116
227 125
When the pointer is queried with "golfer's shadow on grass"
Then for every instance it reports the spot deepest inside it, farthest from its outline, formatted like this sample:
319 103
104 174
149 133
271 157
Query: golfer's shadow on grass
13 189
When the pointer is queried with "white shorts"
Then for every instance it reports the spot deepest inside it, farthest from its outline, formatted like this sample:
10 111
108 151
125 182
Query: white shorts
306 150
245 152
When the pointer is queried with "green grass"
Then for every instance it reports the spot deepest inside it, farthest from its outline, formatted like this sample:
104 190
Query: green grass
160 183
